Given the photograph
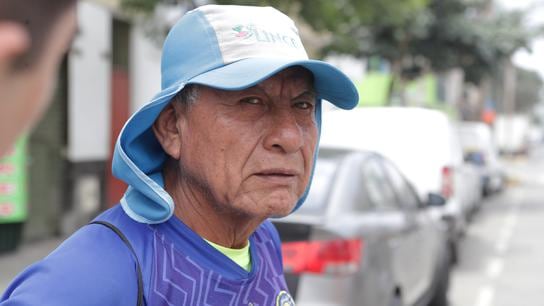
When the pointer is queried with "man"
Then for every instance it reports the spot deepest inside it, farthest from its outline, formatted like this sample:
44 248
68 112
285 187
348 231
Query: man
34 35
229 142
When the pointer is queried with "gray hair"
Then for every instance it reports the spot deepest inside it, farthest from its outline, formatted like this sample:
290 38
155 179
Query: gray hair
187 96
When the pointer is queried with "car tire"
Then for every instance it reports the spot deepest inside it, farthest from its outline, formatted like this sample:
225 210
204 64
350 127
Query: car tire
395 301
453 255
442 284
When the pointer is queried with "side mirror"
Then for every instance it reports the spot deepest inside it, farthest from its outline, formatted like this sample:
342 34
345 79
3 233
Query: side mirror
434 199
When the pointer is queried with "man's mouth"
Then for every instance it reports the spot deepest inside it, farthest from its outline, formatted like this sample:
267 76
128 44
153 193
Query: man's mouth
278 175
277 172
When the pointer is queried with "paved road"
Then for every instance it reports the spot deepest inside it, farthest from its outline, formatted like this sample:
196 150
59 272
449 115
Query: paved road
502 255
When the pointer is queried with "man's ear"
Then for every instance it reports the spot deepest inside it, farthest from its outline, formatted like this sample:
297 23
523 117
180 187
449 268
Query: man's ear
14 41
167 132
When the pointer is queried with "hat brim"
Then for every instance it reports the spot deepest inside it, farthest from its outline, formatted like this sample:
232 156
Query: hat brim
330 83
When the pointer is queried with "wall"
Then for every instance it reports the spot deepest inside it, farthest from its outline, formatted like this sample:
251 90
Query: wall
145 63
89 86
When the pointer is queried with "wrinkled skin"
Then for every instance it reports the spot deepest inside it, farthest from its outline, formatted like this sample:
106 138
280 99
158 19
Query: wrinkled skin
239 157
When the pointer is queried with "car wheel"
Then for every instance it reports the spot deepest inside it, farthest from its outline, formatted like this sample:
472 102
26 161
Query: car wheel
440 294
453 253
395 301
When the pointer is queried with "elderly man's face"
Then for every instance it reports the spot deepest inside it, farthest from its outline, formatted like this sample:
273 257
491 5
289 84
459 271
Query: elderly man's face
253 149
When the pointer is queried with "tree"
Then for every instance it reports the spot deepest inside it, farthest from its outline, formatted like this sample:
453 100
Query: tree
349 24
458 37
412 35
528 90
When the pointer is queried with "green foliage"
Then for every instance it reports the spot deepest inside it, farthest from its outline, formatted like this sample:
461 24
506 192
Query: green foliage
139 5
528 89
282 5
413 35
460 37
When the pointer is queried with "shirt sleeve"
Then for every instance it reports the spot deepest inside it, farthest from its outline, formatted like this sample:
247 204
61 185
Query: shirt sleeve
93 267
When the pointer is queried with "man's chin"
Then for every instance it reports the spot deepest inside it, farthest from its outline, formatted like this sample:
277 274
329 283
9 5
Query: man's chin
263 205
278 208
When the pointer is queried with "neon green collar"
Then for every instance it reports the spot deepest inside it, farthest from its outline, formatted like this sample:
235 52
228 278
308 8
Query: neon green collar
239 256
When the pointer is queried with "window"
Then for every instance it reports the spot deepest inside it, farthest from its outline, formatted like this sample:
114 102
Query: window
405 193
378 187
316 203
355 196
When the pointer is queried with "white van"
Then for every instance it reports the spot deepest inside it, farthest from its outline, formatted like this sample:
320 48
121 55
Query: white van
422 143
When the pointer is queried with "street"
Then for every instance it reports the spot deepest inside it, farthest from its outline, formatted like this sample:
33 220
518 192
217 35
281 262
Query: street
501 255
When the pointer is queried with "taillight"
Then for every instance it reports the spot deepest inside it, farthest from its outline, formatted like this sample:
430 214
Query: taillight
447 182
330 256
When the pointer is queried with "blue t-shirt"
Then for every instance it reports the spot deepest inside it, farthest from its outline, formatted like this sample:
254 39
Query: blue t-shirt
95 268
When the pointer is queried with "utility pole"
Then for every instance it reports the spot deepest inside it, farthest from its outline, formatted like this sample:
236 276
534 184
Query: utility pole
509 86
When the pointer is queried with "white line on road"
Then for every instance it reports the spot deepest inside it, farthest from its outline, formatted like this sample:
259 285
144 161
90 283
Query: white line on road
495 267
512 220
485 296
504 238
507 230
501 246
540 180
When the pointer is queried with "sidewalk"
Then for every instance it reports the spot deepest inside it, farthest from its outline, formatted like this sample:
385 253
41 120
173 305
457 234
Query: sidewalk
12 264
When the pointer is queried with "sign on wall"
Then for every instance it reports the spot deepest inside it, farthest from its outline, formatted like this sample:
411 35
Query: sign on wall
13 192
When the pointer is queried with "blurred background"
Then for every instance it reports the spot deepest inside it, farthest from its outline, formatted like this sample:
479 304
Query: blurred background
477 65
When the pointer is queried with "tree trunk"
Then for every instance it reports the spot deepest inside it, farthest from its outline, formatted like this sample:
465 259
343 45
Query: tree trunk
397 88
509 86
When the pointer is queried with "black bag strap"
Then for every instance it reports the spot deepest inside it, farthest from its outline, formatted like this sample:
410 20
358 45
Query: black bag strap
138 267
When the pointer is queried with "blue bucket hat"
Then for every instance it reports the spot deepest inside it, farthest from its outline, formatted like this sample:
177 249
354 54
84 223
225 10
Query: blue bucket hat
225 47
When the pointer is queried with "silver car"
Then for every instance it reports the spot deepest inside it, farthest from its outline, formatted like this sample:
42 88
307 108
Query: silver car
424 146
364 238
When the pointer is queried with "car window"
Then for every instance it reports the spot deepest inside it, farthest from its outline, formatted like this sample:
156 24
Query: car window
406 194
377 186
355 195
316 203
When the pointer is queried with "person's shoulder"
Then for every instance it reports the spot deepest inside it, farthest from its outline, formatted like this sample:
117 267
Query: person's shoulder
136 232
92 267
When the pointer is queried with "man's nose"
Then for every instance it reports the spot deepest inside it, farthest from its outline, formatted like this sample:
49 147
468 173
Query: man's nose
285 134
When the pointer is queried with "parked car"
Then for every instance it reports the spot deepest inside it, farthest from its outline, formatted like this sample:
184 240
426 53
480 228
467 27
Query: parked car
364 238
479 149
425 147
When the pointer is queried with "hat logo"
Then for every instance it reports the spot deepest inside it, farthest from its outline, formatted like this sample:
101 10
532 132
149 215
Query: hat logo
260 35
242 31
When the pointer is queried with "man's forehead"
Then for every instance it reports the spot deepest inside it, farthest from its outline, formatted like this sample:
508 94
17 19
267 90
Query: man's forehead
296 72
295 77
294 80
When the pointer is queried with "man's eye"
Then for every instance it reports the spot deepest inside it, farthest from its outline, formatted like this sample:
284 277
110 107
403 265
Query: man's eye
252 100
304 105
